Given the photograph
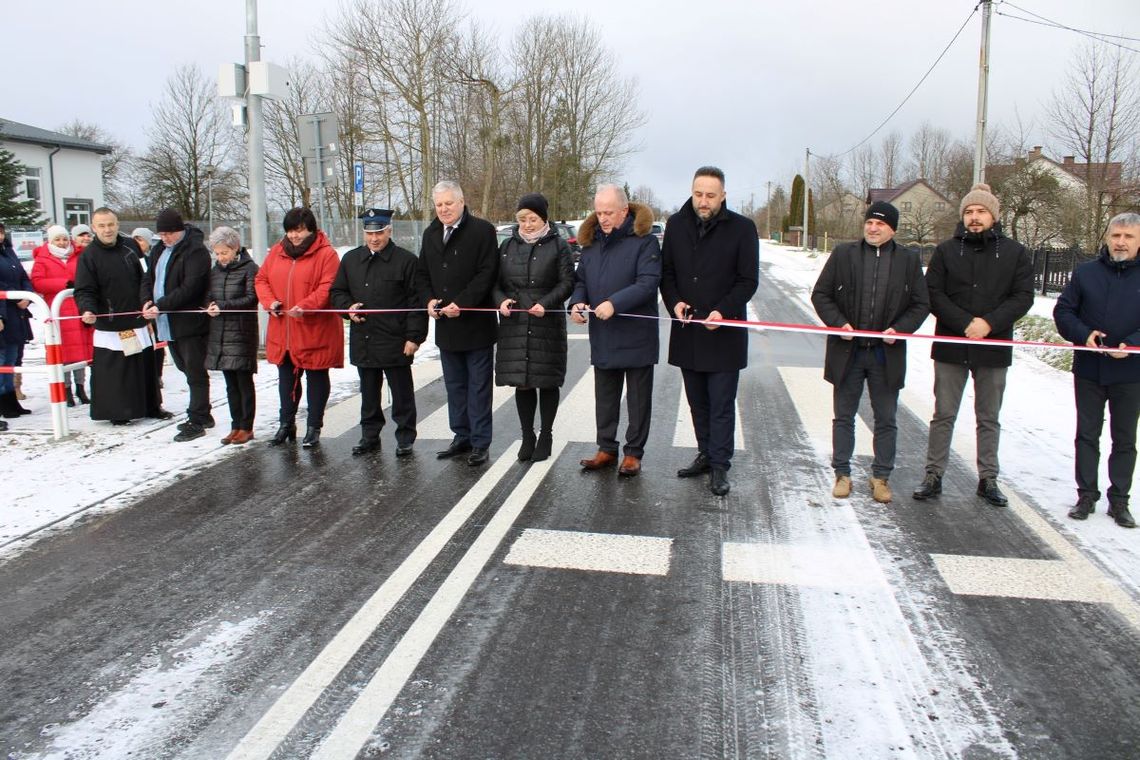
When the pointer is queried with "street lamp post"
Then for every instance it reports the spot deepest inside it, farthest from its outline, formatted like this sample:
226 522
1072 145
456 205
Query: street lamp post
210 197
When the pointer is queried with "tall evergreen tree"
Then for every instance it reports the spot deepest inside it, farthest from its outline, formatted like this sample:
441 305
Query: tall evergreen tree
12 209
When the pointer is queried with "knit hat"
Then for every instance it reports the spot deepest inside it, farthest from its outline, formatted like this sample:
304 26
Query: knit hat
80 229
980 195
535 202
169 220
885 213
55 231
142 232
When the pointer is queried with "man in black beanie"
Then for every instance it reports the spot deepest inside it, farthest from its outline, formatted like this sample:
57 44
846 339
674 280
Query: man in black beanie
176 287
874 284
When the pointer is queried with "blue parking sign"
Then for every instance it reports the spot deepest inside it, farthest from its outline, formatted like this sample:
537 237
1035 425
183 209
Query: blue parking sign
358 176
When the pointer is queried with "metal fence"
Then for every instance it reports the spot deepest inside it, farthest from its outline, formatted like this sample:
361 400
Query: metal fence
1053 267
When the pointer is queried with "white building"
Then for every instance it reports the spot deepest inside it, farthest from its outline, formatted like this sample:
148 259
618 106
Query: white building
63 174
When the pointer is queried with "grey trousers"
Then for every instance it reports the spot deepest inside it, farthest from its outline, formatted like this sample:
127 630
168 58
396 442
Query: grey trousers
989 389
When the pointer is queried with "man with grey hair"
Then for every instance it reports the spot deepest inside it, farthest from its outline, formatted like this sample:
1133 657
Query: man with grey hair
457 268
617 280
1099 309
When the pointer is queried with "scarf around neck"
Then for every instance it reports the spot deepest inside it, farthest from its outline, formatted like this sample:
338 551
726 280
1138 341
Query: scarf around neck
63 254
538 235
297 251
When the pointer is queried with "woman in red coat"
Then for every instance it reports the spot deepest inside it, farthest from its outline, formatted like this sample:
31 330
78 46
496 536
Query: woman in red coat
293 282
53 270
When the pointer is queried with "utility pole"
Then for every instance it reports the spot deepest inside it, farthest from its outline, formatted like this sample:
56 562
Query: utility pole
983 96
255 143
807 193
768 231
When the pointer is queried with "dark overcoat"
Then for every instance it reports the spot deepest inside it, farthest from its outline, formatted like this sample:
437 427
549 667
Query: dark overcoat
187 283
531 351
836 299
461 272
717 271
110 280
623 268
386 279
233 340
983 275
1102 295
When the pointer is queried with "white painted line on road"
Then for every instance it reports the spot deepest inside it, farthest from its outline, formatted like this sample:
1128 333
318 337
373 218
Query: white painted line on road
368 710
811 397
578 336
599 552
1018 578
829 567
685 437
263 739
576 421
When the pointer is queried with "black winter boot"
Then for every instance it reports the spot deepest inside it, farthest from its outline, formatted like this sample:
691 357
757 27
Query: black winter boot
9 406
1118 510
526 401
81 394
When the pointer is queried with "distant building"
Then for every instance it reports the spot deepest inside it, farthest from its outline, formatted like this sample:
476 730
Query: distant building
63 174
925 215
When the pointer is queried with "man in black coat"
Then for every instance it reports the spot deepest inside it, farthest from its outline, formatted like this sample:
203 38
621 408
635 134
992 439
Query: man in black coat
109 284
875 285
710 270
178 280
457 267
980 284
1099 308
382 275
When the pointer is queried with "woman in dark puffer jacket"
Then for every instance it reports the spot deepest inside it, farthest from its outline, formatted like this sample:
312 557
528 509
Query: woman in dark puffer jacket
536 275
232 346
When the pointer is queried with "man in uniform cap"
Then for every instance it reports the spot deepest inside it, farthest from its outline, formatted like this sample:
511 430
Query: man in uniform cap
382 275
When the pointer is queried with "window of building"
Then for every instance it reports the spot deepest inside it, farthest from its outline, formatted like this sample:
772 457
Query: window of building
32 185
906 205
77 211
939 206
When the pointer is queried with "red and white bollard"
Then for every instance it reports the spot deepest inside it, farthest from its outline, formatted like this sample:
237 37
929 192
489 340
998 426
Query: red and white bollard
53 363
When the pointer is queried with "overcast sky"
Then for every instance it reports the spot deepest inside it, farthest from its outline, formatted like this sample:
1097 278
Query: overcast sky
743 84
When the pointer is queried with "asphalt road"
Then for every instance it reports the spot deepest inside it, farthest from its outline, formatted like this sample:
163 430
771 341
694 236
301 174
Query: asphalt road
289 603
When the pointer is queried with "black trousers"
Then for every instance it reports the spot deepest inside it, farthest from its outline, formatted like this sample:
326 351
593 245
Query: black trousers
1123 410
241 397
712 403
403 402
189 356
638 383
867 368
289 390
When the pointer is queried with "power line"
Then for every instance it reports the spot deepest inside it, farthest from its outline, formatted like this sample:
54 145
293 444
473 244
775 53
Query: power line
913 90
1070 28
1107 39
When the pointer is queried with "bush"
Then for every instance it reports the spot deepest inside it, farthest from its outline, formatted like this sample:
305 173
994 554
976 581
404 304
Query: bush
1042 330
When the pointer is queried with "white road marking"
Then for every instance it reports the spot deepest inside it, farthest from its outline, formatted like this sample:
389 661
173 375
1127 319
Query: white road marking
811 397
1017 578
685 437
819 566
357 724
600 552
437 426
290 707
576 422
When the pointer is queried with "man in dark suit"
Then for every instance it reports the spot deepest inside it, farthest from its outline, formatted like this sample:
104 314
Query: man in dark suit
457 268
710 270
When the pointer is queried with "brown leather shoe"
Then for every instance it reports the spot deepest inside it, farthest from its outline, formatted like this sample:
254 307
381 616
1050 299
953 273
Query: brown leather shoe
630 466
600 461
229 438
242 436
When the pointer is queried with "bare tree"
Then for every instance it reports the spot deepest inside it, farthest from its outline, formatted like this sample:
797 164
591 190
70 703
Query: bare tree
890 157
1096 115
928 151
862 167
284 167
188 134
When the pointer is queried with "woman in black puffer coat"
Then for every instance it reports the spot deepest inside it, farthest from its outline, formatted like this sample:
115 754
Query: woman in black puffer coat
536 276
232 347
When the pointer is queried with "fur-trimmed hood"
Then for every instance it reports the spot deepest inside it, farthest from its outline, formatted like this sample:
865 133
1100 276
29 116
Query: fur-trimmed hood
642 223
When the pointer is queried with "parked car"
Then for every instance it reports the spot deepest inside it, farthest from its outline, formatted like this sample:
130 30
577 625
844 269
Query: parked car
658 229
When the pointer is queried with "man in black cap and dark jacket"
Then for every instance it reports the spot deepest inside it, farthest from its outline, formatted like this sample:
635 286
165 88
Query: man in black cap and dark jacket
980 284
178 280
382 275
876 285
710 270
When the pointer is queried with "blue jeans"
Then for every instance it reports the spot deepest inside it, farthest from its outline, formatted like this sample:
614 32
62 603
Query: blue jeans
9 357
468 376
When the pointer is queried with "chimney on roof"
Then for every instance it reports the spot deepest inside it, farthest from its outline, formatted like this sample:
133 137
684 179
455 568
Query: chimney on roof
1035 152
1068 160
